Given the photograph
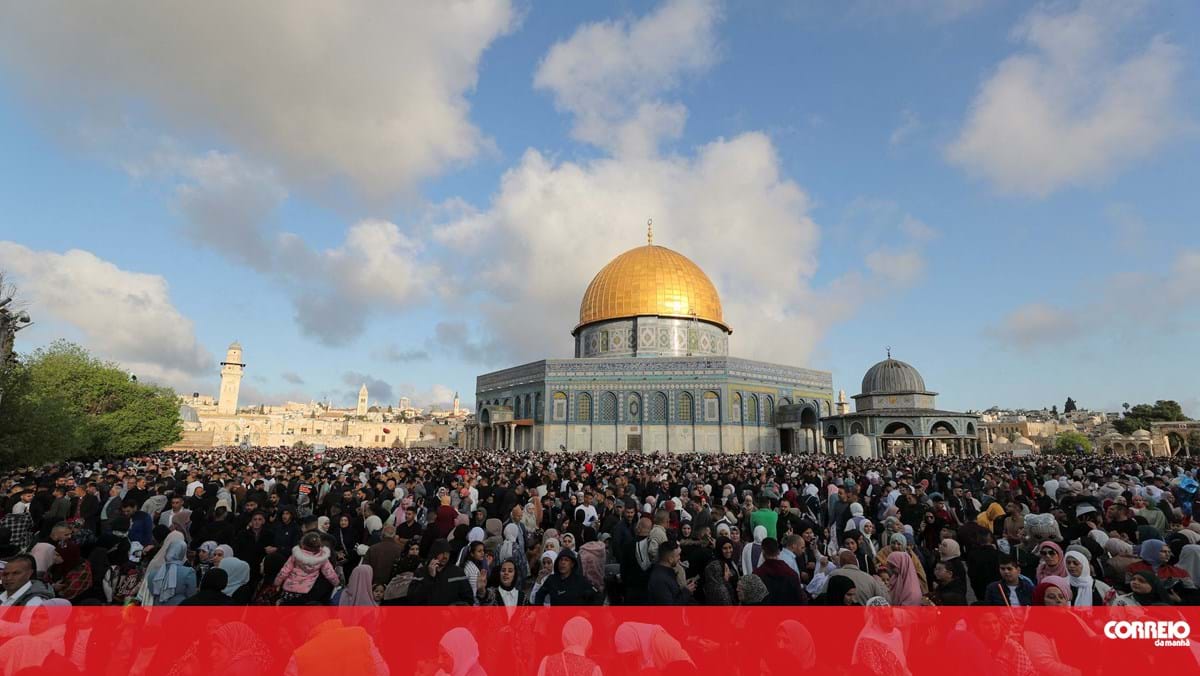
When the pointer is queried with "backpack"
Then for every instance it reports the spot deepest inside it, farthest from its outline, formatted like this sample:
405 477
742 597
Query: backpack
641 552
397 587
122 585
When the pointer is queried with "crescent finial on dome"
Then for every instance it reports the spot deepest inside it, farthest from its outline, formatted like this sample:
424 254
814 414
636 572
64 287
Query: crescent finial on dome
650 232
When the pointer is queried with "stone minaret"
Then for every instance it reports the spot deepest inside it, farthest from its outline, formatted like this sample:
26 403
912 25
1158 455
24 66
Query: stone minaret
362 400
456 403
231 380
843 406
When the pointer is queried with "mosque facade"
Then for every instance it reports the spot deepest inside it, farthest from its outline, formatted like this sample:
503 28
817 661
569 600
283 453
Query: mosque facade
652 372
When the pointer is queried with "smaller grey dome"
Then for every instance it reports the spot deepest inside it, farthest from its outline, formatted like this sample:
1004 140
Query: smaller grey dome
858 446
892 376
188 414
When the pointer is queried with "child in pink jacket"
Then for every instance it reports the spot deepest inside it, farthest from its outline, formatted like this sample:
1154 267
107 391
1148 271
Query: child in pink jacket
308 562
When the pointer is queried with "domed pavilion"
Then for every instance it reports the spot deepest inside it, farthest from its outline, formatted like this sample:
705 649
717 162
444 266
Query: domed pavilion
651 373
895 414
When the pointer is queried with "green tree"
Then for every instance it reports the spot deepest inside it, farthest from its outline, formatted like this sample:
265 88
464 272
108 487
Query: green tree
1072 442
37 426
1140 416
64 403
1070 406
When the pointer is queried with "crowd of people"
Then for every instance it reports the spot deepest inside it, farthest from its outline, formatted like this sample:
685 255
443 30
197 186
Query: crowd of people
370 527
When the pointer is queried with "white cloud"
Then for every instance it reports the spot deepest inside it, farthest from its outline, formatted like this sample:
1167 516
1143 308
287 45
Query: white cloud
436 394
334 291
125 316
910 122
1038 325
917 229
551 227
1071 108
373 95
897 266
610 74
226 203
1146 305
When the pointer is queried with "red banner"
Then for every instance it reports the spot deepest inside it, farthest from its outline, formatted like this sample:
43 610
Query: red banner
133 641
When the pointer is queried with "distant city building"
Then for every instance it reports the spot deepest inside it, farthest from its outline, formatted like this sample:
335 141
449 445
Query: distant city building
209 422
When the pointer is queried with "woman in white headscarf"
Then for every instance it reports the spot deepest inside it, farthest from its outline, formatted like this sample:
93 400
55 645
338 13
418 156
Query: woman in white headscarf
644 646
545 570
1085 590
576 637
144 595
237 569
879 648
510 550
752 556
458 654
173 581
1189 560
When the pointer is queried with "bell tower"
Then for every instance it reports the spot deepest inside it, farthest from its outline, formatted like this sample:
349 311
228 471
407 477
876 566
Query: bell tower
362 401
231 379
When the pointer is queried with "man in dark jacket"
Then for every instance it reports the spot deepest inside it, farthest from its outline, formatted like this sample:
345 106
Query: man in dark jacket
1012 589
663 588
439 583
88 507
783 584
568 587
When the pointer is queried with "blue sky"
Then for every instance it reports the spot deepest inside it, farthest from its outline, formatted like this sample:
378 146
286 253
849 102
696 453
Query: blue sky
1002 192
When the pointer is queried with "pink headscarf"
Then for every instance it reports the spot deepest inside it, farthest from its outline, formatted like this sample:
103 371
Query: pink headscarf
905 586
1043 570
358 589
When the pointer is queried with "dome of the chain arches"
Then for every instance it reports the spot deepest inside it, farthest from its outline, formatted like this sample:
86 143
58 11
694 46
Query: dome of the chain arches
651 280
892 376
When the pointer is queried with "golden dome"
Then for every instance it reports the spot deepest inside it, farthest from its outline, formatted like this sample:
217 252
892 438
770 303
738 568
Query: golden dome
651 280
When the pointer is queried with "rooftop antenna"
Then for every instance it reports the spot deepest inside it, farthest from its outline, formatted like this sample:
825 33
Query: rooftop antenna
650 232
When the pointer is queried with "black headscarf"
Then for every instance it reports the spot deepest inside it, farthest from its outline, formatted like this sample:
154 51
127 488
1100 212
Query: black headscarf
1158 593
836 590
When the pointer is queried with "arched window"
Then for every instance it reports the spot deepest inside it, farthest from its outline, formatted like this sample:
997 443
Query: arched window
752 410
584 414
769 410
528 408
712 407
517 409
656 409
560 406
539 408
856 428
735 408
608 408
685 404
